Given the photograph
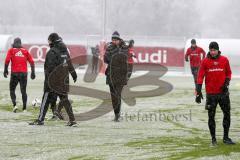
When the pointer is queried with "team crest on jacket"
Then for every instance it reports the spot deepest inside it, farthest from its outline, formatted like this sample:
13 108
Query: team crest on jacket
19 54
215 63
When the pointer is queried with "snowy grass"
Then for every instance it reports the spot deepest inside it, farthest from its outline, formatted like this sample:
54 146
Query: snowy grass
101 138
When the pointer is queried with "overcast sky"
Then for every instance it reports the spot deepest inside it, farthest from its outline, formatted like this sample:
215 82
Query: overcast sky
161 18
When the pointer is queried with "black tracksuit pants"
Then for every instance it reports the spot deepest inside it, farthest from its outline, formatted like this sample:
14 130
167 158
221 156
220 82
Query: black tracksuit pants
95 64
20 78
54 106
130 70
49 98
195 74
224 103
116 91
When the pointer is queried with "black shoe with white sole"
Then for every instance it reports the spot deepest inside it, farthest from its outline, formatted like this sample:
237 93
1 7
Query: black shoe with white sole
72 124
15 108
228 141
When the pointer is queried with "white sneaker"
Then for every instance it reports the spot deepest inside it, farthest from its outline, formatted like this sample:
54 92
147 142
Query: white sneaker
15 109
24 111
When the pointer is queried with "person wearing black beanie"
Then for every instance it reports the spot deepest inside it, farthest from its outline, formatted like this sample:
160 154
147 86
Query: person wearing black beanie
214 50
57 67
54 37
217 73
116 57
213 45
17 43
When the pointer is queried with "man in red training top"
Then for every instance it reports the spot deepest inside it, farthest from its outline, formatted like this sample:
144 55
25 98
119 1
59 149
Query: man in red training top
196 54
18 57
130 58
217 72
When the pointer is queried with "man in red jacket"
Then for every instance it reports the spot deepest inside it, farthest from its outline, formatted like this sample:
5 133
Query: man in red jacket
130 58
217 72
19 58
196 55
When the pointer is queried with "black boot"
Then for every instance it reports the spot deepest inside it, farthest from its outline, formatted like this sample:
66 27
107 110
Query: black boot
214 142
72 124
228 141
116 118
36 122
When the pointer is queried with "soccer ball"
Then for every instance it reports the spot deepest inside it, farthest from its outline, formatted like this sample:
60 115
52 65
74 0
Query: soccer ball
36 102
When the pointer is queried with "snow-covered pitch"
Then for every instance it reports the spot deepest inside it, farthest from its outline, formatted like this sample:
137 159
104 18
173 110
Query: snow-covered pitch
171 126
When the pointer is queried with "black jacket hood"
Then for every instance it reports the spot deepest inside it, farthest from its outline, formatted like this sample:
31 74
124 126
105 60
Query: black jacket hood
60 45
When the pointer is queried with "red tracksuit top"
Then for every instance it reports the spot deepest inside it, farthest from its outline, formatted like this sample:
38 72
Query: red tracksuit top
195 56
18 58
215 72
130 56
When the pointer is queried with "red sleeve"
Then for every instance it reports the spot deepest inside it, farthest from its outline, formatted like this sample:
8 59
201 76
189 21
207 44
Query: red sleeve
8 57
187 54
228 70
203 53
29 58
201 73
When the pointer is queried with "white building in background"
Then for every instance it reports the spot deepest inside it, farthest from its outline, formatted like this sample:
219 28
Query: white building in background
5 44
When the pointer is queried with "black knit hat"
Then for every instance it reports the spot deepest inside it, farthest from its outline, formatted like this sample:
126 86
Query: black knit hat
53 37
17 43
213 45
116 35
193 41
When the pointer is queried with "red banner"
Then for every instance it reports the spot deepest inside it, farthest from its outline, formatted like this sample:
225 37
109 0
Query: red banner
38 52
167 56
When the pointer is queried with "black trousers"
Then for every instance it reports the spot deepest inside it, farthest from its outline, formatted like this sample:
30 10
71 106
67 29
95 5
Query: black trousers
94 64
224 103
15 79
49 98
195 74
54 105
116 91
130 69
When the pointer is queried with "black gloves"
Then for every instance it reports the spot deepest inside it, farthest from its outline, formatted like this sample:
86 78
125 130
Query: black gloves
5 73
74 76
33 76
186 59
199 95
225 86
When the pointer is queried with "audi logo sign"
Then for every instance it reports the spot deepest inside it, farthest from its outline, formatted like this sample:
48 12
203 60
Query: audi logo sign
167 56
39 51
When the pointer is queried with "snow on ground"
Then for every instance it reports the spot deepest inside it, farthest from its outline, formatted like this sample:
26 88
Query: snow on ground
137 136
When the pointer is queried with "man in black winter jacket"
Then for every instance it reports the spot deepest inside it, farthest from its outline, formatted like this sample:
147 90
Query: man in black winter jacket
116 73
57 67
